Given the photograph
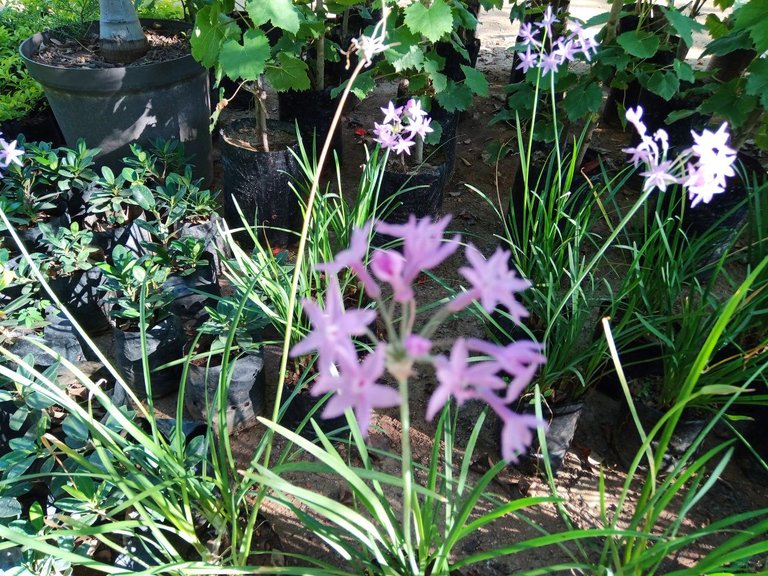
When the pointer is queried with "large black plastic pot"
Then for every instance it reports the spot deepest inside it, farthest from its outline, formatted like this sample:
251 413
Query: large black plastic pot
260 184
561 421
245 400
112 108
313 111
192 293
59 335
165 343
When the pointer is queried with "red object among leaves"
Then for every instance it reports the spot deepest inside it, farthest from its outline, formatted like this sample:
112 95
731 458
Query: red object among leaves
360 131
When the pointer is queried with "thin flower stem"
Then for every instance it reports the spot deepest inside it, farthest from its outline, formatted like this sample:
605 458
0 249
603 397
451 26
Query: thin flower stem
557 134
300 257
407 472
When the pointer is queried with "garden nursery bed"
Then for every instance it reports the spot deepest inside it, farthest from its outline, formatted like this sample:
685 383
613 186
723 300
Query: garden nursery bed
507 351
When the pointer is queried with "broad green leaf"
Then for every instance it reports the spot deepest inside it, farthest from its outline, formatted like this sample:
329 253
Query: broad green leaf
439 81
74 428
729 43
455 97
291 73
9 507
475 80
729 102
19 417
715 27
665 84
36 516
414 58
207 36
682 24
639 43
433 23
245 61
683 70
757 80
281 13
676 115
143 197
578 103
364 85
434 137
753 16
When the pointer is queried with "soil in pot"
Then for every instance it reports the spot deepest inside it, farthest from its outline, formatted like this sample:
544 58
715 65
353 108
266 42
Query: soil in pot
245 399
165 343
261 183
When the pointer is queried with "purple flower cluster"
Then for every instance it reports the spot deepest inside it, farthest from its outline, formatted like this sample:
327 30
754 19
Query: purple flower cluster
702 178
565 48
473 369
9 154
401 125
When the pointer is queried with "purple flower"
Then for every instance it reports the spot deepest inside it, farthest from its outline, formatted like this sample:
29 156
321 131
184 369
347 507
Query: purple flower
516 431
528 60
9 154
391 114
634 117
492 282
701 184
423 244
567 50
420 127
414 111
389 266
403 145
354 259
384 135
460 379
528 33
547 21
519 359
549 63
356 387
659 176
417 346
332 326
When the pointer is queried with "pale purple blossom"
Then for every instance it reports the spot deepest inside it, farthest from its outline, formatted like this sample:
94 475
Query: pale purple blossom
417 346
401 125
702 179
332 326
354 258
549 63
9 153
529 35
356 386
461 379
424 246
461 375
492 282
566 50
528 60
520 359
548 21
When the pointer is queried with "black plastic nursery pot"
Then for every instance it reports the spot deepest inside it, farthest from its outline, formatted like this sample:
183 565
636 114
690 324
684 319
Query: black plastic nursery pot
418 192
313 111
259 183
112 108
246 396
165 343
30 235
192 293
59 335
626 439
130 235
80 294
208 232
561 423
